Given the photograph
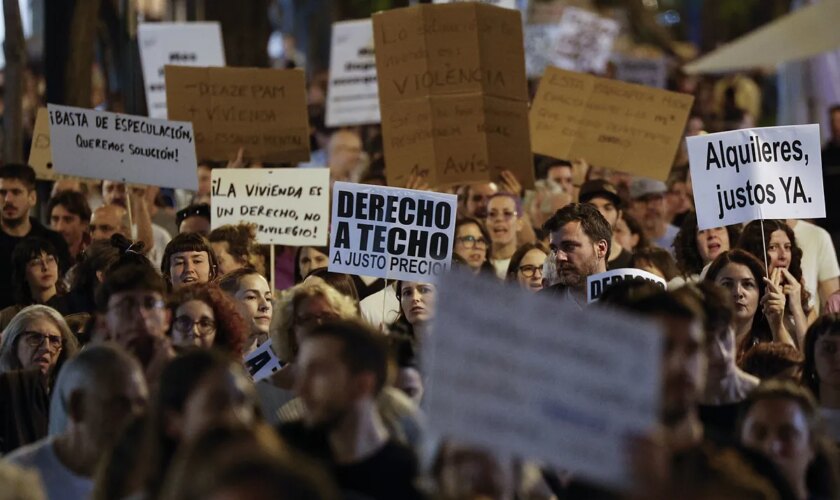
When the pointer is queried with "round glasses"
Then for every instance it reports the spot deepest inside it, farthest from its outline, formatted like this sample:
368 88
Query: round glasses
35 339
529 271
472 241
203 327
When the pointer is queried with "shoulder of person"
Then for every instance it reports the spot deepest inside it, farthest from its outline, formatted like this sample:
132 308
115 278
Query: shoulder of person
31 455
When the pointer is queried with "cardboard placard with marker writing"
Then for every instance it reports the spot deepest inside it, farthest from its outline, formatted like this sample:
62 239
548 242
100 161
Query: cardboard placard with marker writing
622 126
260 110
453 93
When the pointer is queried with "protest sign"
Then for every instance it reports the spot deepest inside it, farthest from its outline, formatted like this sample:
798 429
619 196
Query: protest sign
289 206
40 156
454 98
352 96
648 71
260 110
262 362
584 41
540 40
182 44
597 283
506 373
622 126
759 173
391 233
125 148
508 4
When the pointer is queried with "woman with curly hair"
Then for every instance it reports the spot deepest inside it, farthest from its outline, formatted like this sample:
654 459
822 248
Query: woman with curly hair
785 255
236 247
695 249
204 316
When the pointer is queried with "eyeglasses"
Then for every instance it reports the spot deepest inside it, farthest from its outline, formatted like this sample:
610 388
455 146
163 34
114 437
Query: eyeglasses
42 261
204 326
35 339
501 215
307 321
471 241
126 306
529 271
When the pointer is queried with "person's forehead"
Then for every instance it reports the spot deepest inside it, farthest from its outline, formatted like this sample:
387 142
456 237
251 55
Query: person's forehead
135 294
42 325
735 270
253 281
559 170
314 303
829 339
778 411
502 202
483 188
12 183
194 305
779 235
62 211
601 201
469 229
320 347
188 254
533 254
572 230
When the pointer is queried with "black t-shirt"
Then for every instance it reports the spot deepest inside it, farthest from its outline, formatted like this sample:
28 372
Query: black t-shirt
7 246
720 421
620 262
387 474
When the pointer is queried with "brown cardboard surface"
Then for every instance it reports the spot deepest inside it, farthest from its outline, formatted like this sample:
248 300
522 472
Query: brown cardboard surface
456 139
449 49
622 126
261 110
453 93
40 154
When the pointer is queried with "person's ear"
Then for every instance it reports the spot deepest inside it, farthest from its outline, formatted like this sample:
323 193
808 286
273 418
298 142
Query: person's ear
602 249
33 197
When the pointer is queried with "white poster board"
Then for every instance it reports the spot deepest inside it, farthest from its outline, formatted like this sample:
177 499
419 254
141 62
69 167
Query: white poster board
540 41
125 148
649 71
597 283
759 173
352 94
523 375
391 233
262 362
289 206
582 41
181 44
508 4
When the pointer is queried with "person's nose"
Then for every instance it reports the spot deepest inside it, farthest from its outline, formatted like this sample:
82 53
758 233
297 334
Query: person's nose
188 267
561 256
772 446
263 305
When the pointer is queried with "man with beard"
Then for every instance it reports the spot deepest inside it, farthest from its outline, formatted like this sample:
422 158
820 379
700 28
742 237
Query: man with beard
342 366
580 244
18 197
604 196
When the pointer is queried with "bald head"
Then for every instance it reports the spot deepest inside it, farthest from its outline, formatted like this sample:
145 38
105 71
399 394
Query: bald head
108 220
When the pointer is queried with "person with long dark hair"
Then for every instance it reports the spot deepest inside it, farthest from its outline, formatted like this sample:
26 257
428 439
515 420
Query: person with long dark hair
694 249
526 266
821 368
35 278
472 243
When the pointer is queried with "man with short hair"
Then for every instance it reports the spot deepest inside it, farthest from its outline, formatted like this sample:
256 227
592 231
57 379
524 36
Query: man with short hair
69 214
604 196
342 367
107 221
18 197
97 393
194 219
648 207
344 155
580 243
560 172
476 197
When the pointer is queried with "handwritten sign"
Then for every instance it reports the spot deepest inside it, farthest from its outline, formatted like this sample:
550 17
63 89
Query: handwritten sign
182 44
391 233
262 362
40 155
759 173
289 206
260 110
352 96
454 98
622 126
649 71
506 375
596 284
125 148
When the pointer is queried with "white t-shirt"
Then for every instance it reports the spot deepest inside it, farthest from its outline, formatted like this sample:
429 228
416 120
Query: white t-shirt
501 266
162 238
819 258
381 308
59 482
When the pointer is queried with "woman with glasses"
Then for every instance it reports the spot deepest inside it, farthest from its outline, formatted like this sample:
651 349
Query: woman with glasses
472 243
35 279
34 346
504 220
202 315
526 266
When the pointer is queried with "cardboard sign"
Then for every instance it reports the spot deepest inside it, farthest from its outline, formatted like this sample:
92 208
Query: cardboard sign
759 173
262 362
125 148
181 44
597 283
648 71
261 110
352 95
289 206
622 126
506 375
391 233
453 97
508 4
40 155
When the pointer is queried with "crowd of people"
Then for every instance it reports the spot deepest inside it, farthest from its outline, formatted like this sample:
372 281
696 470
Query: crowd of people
126 324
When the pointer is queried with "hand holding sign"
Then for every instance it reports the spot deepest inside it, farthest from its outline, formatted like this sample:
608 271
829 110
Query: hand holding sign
773 302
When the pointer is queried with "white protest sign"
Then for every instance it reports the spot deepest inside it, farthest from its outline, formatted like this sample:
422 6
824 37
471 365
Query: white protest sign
290 206
597 283
353 94
584 41
125 148
649 71
540 41
508 4
523 375
391 233
759 173
262 362
181 44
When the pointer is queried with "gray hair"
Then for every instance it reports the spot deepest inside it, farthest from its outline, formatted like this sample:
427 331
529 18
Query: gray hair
93 368
8 350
